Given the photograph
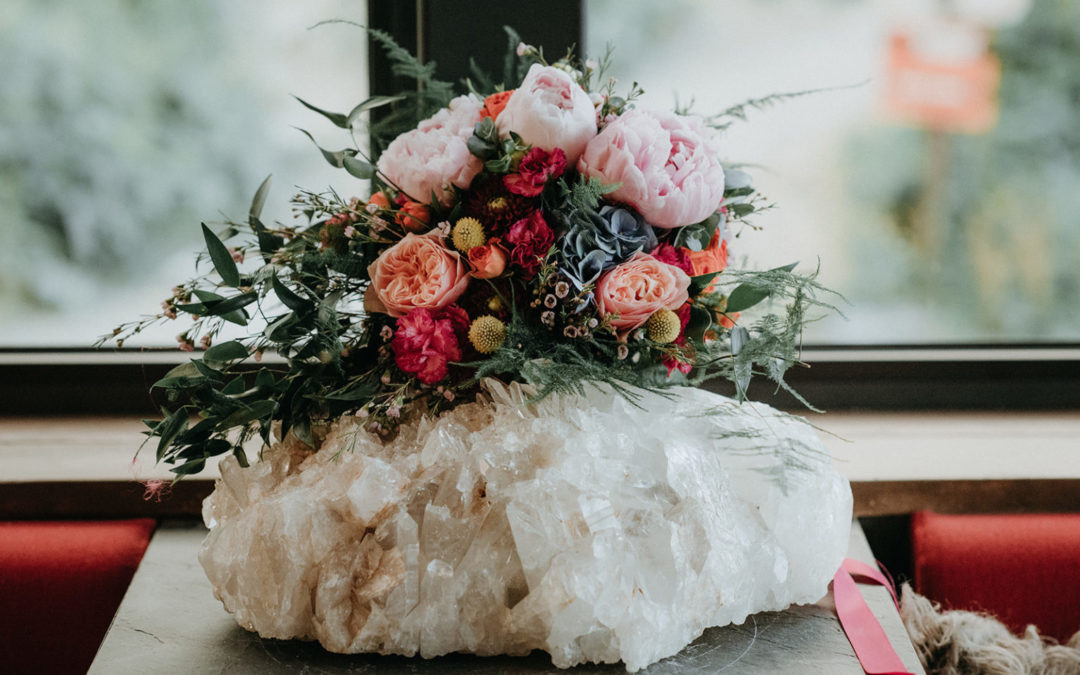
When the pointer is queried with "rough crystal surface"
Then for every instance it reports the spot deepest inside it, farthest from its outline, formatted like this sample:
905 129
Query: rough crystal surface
587 527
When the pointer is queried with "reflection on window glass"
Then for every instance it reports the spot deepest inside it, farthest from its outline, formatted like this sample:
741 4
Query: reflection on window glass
124 123
940 194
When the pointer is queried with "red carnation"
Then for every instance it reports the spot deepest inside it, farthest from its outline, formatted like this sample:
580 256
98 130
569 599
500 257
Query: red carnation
426 341
531 238
678 257
536 168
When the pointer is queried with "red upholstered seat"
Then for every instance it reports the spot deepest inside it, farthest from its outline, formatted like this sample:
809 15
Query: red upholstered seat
60 585
1020 568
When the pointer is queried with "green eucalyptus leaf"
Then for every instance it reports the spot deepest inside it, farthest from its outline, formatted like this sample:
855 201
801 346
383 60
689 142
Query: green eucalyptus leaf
358 168
206 371
234 386
748 294
250 413
335 159
191 467
268 243
184 376
699 283
745 296
264 379
222 259
700 321
172 426
220 354
740 210
289 298
259 199
370 104
337 119
207 296
232 304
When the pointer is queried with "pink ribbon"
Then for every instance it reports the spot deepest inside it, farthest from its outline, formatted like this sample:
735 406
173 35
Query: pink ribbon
867 637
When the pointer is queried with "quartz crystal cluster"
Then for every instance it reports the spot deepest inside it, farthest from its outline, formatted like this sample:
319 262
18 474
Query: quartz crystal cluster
594 528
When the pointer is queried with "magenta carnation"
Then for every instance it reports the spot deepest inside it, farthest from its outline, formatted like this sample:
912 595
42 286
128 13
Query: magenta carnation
531 239
674 256
536 168
425 342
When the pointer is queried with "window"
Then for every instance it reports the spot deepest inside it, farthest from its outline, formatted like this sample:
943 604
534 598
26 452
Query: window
248 56
126 123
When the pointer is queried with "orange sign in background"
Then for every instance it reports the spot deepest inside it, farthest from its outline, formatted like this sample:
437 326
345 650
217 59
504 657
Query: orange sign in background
956 95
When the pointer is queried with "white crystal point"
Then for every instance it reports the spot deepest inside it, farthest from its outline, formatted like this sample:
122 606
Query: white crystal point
588 527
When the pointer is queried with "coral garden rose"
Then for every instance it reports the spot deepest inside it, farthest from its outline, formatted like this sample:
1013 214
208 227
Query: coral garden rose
433 158
550 110
666 165
639 287
426 341
418 271
488 261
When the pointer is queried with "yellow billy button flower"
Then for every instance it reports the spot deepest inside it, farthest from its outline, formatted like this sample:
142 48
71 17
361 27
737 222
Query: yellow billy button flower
663 326
467 233
487 334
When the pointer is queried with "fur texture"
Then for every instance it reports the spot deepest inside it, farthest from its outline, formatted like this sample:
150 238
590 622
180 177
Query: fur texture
966 643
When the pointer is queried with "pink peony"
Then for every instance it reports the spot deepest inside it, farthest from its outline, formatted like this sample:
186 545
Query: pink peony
531 238
639 287
426 341
667 166
418 271
433 158
549 110
536 168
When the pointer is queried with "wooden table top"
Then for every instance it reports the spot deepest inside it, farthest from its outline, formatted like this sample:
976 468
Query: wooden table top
170 622
897 463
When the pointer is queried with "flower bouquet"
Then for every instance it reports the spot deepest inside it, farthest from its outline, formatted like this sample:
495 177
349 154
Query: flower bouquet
479 435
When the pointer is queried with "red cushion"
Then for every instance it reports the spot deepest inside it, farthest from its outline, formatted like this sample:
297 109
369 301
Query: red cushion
1020 568
60 585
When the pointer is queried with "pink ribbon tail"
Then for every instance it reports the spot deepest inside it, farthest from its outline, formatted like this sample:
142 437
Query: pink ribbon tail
867 637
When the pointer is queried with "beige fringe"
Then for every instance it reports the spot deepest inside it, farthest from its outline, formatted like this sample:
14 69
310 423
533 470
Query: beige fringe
966 643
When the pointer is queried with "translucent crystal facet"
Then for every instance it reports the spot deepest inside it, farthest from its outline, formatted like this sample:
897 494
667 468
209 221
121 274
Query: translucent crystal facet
594 528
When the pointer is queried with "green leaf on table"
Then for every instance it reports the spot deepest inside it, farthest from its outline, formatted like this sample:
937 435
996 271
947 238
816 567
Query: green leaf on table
222 259
338 119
